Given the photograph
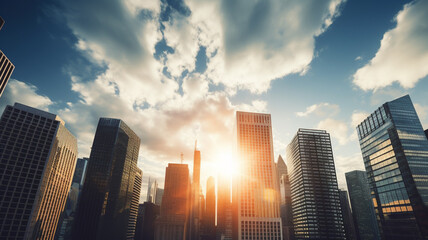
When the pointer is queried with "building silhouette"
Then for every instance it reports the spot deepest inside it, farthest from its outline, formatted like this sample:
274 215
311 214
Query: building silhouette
348 220
147 214
195 198
285 207
314 192
152 188
107 205
256 192
159 195
426 133
395 154
209 217
174 215
224 209
363 212
37 160
67 216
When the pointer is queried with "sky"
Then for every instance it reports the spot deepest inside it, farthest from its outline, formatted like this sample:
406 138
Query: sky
177 70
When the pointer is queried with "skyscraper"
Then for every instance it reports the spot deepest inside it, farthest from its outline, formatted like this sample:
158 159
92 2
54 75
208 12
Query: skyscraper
362 206
134 204
152 190
195 206
256 193
6 69
285 207
37 160
348 220
426 133
159 195
174 216
395 154
314 191
110 188
224 209
209 219
147 214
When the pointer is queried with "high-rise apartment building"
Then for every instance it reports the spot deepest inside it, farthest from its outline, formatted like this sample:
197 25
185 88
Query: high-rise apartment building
37 160
285 207
152 188
6 69
195 206
314 191
348 220
256 193
174 216
362 206
224 209
111 184
395 154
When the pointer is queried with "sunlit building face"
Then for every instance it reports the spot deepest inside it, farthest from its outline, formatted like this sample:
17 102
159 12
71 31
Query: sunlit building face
395 153
257 190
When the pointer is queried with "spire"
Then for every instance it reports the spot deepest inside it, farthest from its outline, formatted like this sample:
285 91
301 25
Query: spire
182 157
196 144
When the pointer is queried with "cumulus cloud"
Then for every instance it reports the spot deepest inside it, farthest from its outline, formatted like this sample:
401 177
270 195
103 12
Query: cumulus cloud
346 164
357 117
337 129
17 91
320 110
149 52
260 40
403 53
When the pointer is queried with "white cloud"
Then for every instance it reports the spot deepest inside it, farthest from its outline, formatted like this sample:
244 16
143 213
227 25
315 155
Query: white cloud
320 110
403 53
346 164
357 117
337 129
359 58
17 91
251 43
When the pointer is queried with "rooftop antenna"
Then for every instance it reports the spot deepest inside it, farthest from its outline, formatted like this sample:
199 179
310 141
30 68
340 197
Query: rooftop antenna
182 157
196 144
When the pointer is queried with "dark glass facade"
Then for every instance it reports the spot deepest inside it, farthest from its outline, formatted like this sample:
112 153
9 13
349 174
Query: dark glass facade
37 159
314 192
362 206
107 200
6 69
395 154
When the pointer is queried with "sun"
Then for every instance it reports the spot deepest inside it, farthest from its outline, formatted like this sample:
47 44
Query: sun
226 164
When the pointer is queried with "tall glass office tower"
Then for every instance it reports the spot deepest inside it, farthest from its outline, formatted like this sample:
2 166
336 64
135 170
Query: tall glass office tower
395 153
37 160
257 190
362 206
106 206
315 198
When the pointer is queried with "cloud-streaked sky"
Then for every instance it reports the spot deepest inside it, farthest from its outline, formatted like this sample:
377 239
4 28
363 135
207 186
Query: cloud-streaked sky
176 71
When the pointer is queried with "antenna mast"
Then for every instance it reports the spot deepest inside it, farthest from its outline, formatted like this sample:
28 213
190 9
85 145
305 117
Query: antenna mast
182 157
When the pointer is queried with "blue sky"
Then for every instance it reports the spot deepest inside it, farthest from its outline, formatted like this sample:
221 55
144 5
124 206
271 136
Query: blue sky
176 71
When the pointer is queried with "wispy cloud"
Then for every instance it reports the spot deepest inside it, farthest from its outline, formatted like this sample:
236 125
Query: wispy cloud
320 110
